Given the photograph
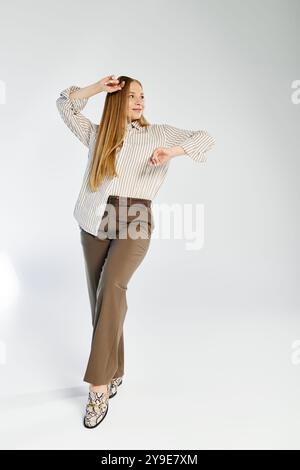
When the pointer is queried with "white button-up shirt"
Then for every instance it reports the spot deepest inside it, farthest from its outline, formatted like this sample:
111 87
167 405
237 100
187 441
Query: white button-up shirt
136 176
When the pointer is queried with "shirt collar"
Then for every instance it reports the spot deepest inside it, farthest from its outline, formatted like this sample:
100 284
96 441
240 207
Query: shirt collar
135 124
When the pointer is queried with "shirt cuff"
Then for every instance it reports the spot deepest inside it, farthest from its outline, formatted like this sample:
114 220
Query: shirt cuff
197 148
76 105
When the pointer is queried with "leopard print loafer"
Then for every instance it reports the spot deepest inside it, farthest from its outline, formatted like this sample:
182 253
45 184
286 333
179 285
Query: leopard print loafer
113 386
96 409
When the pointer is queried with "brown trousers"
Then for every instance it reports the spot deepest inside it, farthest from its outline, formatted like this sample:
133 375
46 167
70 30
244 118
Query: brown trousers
111 258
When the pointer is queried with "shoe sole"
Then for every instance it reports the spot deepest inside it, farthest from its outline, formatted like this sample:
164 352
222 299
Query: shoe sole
93 427
111 396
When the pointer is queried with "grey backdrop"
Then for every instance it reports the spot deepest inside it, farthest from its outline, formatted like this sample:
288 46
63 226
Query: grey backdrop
211 335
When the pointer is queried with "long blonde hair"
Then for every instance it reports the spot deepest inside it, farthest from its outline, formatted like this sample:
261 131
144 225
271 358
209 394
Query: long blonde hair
111 133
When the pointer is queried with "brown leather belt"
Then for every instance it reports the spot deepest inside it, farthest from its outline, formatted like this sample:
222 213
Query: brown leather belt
128 200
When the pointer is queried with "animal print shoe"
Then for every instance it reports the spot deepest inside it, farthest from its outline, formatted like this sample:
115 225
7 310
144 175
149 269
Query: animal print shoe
113 386
96 409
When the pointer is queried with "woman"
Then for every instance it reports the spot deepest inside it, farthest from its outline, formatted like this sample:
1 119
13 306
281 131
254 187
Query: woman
127 163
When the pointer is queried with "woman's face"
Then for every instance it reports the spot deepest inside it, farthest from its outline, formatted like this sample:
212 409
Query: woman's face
135 102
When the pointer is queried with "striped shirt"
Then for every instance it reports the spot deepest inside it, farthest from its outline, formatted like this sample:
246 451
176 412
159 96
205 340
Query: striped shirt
136 176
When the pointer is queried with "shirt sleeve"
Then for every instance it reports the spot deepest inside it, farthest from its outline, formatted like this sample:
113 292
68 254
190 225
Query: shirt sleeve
70 112
194 143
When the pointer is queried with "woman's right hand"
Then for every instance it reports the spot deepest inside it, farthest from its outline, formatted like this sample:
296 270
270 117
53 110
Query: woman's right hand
111 84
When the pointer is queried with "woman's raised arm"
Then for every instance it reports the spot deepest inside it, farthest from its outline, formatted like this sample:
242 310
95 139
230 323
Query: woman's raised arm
73 99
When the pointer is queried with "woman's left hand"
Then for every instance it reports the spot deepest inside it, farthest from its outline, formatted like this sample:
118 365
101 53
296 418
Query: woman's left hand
160 155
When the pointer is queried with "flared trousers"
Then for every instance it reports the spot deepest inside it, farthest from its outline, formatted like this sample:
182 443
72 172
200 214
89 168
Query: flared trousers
110 260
